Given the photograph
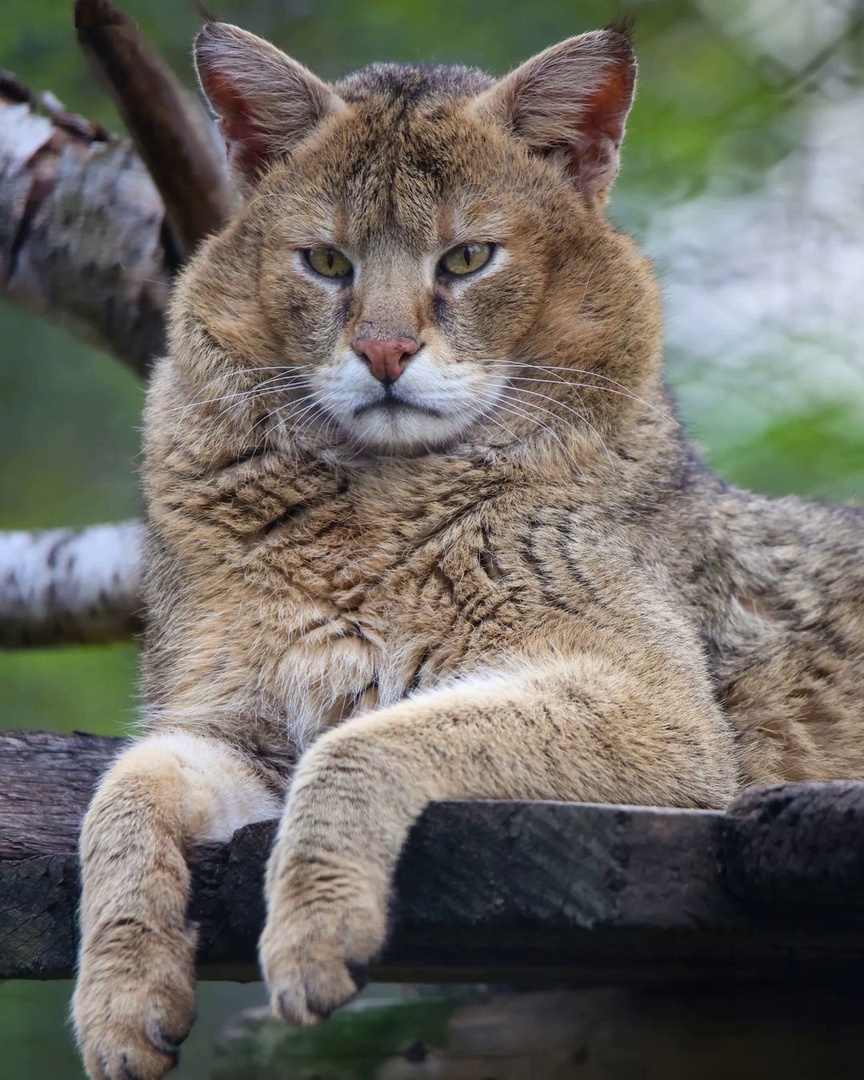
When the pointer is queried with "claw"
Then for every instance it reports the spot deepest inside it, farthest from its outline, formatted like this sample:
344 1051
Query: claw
316 1010
294 1012
169 1045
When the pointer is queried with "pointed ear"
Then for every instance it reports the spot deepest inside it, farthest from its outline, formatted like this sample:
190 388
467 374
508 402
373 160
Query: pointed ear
264 100
572 101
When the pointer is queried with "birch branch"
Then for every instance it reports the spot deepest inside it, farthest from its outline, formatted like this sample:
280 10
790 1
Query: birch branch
82 238
170 130
86 241
63 585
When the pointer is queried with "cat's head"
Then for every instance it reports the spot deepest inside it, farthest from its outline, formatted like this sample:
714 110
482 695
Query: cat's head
421 257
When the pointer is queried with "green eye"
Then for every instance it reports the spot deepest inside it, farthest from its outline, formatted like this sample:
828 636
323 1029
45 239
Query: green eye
328 262
466 258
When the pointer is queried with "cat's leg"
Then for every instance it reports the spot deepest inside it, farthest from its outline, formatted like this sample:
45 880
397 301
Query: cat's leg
134 1001
579 731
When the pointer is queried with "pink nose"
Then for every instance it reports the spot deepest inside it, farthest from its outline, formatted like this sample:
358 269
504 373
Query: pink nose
387 357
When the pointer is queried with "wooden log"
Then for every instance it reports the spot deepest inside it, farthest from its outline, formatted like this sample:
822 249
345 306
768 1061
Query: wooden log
503 891
798 845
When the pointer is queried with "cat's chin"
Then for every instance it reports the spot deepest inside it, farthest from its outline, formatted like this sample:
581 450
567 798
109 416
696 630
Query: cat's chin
404 430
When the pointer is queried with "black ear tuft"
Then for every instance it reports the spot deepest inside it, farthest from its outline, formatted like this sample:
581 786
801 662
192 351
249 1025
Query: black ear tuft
623 26
204 13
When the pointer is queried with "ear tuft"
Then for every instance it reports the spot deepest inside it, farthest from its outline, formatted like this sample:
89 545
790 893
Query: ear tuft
572 101
623 27
264 101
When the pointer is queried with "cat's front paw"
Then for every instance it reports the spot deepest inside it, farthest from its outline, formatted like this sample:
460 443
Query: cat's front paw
321 934
134 1002
307 984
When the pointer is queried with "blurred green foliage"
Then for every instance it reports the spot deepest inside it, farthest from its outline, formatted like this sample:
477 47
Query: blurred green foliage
722 107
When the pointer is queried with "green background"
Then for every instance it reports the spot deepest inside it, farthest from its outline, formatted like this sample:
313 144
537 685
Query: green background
742 176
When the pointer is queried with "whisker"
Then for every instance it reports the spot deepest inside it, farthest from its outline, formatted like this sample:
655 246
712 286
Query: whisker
570 409
287 381
308 411
588 386
489 396
508 406
554 368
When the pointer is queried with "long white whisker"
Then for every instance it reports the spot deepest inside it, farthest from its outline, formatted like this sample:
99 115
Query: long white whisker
309 411
286 382
508 406
570 409
559 381
553 368
490 396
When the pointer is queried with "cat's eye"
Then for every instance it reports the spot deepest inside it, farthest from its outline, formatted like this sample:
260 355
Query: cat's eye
465 259
328 262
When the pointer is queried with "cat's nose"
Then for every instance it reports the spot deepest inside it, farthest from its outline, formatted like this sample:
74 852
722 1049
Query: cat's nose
387 357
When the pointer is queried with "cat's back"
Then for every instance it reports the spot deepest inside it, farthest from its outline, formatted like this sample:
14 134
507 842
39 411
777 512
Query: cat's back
774 586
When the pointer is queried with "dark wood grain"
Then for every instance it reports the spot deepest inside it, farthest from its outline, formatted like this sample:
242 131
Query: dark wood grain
798 848
46 782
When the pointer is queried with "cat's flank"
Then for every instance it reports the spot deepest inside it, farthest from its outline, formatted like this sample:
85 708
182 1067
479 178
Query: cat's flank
413 481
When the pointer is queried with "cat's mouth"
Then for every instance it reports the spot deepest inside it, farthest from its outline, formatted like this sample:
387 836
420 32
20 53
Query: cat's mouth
426 408
390 403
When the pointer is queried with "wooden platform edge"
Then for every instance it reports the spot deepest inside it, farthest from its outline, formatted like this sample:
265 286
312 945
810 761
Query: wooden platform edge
537 893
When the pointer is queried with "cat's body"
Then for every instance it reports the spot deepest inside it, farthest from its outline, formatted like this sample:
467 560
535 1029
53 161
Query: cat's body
346 585
440 508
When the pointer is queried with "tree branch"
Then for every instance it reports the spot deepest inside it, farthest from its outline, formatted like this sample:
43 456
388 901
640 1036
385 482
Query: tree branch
170 130
64 585
81 229
84 242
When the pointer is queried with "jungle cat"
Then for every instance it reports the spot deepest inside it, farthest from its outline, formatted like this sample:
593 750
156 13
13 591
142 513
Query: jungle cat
422 525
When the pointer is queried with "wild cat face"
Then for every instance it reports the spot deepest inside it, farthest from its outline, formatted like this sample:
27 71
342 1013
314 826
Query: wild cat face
421 249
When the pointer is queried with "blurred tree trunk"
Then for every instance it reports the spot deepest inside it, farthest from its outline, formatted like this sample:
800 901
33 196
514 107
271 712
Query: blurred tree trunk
82 237
83 242
92 227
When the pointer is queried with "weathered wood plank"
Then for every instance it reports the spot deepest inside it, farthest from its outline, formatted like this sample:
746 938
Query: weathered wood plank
798 845
46 782
595 895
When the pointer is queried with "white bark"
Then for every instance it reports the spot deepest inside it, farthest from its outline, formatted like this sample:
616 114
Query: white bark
81 230
84 242
65 585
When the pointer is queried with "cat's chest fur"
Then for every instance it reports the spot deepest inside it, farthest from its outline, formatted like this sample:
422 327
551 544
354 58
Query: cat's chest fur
362 588
338 590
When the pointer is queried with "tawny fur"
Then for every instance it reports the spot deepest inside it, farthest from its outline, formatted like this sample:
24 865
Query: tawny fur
537 593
